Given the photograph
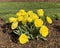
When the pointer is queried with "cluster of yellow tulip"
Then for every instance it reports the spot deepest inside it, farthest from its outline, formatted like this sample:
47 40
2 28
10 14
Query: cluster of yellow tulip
23 17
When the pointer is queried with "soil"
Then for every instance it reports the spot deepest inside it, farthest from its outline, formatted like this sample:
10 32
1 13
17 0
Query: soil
8 40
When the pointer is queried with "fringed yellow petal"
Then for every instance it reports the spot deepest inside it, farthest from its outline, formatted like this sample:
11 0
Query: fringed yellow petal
23 39
14 25
43 31
49 20
40 12
38 22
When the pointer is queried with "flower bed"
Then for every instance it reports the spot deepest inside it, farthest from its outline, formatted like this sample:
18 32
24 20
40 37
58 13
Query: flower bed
32 29
7 37
11 39
29 25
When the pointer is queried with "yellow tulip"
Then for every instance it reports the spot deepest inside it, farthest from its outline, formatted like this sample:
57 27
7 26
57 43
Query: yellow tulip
18 14
30 12
25 19
20 18
49 20
23 39
12 19
29 19
14 25
43 31
40 12
38 22
34 16
22 12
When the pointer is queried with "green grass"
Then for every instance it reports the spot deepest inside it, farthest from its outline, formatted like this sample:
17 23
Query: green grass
8 9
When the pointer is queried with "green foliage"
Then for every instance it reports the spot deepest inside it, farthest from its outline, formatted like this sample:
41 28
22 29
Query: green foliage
27 29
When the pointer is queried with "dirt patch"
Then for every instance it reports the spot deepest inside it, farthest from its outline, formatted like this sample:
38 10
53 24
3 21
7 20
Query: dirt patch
8 40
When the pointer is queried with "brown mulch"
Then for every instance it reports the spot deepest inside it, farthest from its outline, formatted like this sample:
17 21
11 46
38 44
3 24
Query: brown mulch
7 40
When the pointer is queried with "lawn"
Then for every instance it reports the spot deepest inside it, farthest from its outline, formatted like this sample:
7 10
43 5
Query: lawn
8 9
